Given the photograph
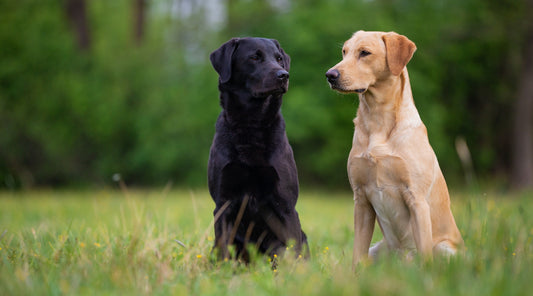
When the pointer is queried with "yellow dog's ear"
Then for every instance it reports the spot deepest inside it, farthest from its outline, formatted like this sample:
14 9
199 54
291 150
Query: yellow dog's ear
399 51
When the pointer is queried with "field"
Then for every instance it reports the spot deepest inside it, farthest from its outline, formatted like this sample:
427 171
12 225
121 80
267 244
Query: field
135 242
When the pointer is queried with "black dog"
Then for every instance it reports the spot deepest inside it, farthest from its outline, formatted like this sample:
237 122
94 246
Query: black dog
252 174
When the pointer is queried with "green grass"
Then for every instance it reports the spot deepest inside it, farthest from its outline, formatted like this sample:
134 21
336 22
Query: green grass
123 243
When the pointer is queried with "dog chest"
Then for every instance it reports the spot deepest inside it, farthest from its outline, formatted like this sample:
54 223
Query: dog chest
367 170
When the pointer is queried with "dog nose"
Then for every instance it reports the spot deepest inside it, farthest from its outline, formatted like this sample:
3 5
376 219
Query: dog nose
282 75
332 75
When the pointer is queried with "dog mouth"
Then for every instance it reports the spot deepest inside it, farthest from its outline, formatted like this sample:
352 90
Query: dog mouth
272 89
336 82
343 90
266 93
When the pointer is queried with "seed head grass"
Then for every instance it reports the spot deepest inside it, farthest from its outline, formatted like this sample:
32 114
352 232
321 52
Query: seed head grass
142 242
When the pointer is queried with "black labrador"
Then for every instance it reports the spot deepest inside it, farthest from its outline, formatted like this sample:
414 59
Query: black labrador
251 173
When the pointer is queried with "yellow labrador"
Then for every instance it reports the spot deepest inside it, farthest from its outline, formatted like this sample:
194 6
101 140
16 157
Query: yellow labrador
393 171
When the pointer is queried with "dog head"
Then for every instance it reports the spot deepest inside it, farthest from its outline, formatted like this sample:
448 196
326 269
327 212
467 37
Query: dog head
257 65
370 57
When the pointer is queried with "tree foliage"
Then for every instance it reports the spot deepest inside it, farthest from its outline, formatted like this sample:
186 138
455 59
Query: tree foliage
144 106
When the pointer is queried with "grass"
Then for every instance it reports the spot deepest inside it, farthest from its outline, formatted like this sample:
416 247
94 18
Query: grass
158 243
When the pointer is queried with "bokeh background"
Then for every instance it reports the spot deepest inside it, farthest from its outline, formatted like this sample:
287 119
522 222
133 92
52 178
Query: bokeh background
96 90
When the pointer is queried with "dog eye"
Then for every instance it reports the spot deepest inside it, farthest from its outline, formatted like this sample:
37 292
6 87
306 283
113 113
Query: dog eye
364 53
344 52
254 57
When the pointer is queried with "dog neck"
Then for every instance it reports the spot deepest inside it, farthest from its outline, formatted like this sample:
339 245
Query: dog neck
250 124
386 104
242 109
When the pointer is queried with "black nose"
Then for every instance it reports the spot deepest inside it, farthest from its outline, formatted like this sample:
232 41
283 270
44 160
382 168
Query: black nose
282 75
332 75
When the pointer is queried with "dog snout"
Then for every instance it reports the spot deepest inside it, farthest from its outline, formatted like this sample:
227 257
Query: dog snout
333 75
282 75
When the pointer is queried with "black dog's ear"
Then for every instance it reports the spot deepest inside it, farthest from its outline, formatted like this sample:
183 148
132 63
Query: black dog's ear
286 57
221 59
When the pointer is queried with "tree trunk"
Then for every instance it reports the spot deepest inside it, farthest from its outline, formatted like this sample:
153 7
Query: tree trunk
139 11
522 144
77 15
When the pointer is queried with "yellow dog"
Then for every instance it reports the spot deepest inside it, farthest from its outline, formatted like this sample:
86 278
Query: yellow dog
393 171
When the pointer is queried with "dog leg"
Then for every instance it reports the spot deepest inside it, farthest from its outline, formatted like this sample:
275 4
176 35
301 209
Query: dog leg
221 239
222 231
445 249
420 222
364 220
377 250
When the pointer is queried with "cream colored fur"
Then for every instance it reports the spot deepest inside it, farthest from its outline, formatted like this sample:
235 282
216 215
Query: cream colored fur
393 171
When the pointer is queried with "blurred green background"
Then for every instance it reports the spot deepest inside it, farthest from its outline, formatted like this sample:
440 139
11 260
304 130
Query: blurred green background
95 89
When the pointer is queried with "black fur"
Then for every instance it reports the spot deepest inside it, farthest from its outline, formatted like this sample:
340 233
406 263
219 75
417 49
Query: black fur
252 174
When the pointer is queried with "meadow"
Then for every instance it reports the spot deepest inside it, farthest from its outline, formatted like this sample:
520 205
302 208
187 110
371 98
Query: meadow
158 242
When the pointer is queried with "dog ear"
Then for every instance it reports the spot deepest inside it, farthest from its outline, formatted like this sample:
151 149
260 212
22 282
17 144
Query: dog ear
286 57
399 51
221 59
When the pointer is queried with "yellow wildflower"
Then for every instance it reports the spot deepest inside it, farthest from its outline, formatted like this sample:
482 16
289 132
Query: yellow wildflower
97 245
